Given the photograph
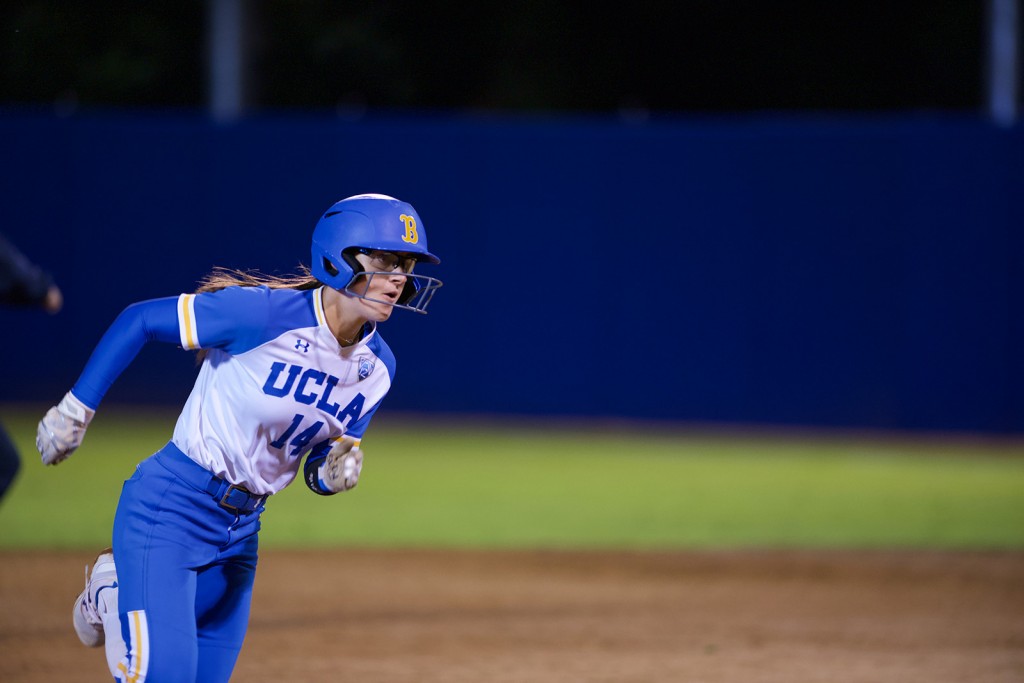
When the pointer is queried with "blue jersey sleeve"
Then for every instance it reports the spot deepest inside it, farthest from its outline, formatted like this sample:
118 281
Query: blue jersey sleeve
232 319
235 319
238 319
153 320
358 428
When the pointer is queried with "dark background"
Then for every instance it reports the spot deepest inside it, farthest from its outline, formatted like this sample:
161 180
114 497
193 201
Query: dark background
785 213
682 57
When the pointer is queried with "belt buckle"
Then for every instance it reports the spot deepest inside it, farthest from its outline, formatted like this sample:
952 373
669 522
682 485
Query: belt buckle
223 502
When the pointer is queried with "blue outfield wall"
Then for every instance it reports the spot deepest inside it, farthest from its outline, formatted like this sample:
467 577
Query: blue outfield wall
798 271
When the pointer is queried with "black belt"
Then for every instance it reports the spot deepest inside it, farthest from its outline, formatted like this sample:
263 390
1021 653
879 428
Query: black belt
233 497
229 496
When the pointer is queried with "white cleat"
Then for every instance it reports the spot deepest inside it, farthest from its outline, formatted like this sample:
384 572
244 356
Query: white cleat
99 597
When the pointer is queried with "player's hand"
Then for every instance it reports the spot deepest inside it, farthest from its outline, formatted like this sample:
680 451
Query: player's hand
54 300
340 471
62 429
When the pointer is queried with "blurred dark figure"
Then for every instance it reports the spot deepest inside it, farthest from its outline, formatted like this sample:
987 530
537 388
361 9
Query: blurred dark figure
22 283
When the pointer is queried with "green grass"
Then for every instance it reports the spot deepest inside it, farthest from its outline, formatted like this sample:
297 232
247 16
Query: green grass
544 487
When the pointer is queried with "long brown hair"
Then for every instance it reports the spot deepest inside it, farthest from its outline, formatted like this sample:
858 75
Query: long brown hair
220 277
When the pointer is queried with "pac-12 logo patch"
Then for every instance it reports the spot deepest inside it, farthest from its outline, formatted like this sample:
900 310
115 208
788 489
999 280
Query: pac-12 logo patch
366 366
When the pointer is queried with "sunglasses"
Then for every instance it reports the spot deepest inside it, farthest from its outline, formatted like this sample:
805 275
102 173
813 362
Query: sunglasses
388 261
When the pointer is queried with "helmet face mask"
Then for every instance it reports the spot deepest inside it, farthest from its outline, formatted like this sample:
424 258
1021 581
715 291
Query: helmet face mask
372 223
416 293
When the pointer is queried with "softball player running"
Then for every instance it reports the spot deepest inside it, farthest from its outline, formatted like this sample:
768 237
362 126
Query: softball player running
291 367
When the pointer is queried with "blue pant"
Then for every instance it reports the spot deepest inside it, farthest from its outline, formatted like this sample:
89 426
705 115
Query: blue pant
185 570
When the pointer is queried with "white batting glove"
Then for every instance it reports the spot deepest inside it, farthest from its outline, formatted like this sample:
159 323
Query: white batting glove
340 471
62 429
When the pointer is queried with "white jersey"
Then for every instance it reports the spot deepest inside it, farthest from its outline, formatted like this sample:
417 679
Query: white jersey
275 383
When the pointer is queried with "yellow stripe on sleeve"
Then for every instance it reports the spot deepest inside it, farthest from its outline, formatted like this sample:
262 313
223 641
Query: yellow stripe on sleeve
338 439
318 307
187 322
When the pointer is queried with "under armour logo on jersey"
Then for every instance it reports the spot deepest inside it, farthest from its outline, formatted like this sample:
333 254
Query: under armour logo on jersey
302 345
365 368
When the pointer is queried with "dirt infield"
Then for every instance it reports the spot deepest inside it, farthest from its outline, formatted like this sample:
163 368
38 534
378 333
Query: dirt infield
539 617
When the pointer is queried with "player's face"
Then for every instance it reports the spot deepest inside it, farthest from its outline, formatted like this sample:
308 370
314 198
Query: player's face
383 282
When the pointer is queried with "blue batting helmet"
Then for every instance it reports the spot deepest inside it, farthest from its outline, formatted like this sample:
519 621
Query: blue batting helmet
371 221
